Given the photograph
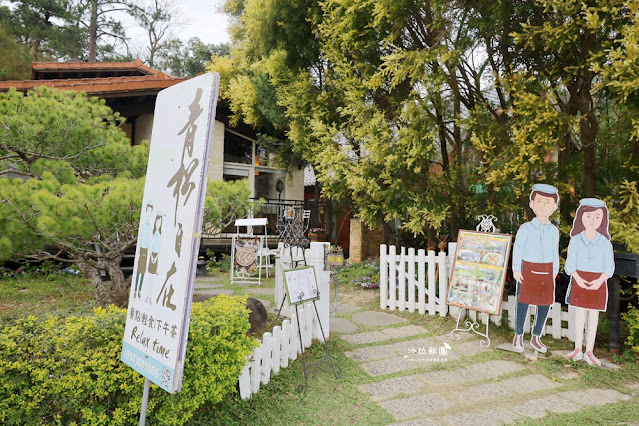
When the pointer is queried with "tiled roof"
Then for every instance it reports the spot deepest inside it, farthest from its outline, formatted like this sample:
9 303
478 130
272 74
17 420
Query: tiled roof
95 86
135 66
95 78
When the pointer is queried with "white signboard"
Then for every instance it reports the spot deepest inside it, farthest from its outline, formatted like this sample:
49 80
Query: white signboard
301 285
159 311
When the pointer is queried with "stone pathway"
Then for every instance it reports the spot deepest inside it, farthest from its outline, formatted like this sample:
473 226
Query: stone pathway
477 393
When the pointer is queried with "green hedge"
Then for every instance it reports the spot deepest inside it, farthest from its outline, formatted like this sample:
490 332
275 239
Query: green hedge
68 370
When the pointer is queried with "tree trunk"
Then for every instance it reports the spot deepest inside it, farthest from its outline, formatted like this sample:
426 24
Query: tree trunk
563 161
93 31
589 128
454 227
119 286
102 297
430 233
524 199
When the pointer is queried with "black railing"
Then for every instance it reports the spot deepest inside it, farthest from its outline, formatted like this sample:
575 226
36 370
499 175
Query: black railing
277 212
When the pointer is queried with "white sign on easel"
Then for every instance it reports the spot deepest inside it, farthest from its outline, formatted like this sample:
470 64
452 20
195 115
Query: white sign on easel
158 317
301 285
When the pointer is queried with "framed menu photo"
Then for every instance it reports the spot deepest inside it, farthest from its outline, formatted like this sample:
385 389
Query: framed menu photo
301 284
479 271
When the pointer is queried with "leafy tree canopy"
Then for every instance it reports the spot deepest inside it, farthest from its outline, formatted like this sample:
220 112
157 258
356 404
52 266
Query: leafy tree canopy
15 62
434 112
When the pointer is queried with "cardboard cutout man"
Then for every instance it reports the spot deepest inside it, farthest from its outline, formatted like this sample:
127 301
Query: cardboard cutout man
535 265
590 263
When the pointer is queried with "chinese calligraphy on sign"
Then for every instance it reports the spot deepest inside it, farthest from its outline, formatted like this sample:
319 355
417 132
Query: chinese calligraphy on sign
159 310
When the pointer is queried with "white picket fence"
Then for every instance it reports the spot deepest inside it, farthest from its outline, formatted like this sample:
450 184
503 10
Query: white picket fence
276 349
426 291
399 282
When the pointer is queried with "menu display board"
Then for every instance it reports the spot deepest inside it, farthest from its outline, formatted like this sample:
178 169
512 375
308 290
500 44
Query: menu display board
301 285
479 271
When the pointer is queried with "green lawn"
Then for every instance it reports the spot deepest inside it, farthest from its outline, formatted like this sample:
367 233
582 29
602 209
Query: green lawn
36 295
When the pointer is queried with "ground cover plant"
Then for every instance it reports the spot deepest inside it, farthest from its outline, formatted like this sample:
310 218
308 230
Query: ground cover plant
66 369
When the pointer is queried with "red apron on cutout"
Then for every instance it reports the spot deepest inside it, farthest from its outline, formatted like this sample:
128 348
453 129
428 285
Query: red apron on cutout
590 299
538 285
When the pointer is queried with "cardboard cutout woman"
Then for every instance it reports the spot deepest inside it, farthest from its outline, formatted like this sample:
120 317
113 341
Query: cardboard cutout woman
590 263
535 265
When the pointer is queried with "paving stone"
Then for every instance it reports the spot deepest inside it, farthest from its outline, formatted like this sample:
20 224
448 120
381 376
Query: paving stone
418 422
449 377
560 353
208 279
392 387
590 397
488 417
405 408
487 391
388 366
537 408
469 348
404 331
202 295
367 337
342 325
376 319
530 383
420 347
371 353
490 369
262 291
206 284
344 308
606 363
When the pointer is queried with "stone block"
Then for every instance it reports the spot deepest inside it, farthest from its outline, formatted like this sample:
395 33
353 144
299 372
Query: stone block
537 408
367 337
469 348
371 353
261 291
490 369
376 319
488 417
405 408
389 366
404 331
342 325
392 387
449 377
588 397
418 422
486 391
530 383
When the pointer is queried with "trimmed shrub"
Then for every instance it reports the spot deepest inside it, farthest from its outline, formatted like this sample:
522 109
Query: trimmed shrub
59 370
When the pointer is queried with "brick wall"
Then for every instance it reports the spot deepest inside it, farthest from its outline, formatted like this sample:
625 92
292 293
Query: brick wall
364 242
